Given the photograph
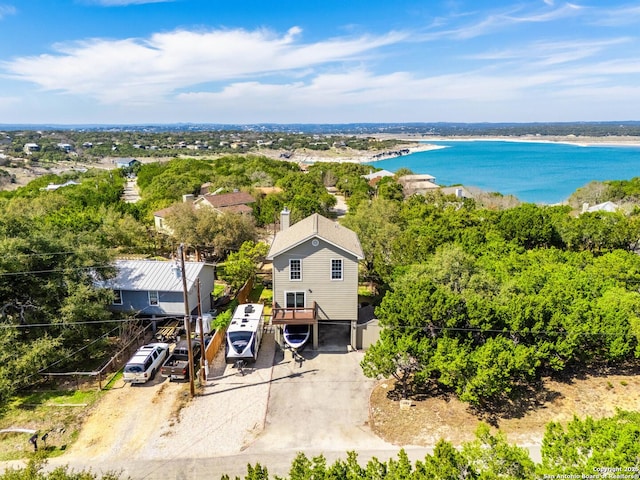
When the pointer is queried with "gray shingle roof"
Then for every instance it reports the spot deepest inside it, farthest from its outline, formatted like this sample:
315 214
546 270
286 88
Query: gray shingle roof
316 226
150 275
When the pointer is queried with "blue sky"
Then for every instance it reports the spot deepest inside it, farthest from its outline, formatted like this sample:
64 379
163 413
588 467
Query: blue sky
283 61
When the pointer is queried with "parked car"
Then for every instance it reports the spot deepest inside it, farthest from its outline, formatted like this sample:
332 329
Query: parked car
144 364
176 367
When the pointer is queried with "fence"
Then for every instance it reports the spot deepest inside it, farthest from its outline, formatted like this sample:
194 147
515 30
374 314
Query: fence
243 293
105 373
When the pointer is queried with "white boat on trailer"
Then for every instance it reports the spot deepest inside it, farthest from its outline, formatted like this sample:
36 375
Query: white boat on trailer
296 336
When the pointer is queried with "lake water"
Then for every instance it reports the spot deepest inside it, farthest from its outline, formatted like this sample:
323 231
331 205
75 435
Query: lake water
532 171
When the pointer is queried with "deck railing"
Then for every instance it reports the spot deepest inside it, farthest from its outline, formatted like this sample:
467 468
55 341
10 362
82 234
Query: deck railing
294 315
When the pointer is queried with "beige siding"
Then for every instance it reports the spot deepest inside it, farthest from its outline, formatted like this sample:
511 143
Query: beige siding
336 299
368 334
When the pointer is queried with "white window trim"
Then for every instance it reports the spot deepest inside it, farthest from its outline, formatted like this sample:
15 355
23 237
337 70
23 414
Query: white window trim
304 293
115 302
157 298
341 270
290 270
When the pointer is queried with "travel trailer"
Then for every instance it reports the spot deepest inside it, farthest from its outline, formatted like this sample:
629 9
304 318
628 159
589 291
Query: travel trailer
244 333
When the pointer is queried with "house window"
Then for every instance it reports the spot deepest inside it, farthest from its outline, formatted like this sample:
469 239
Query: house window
153 298
336 269
117 297
294 299
295 269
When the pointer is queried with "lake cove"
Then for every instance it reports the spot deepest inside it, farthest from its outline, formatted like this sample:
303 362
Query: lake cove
535 172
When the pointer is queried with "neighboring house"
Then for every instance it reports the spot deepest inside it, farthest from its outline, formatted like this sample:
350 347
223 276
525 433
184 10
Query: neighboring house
65 147
55 186
125 162
379 174
420 184
601 207
151 288
29 148
236 202
459 192
315 275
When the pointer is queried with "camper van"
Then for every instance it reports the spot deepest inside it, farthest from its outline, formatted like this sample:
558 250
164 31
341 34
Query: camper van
244 333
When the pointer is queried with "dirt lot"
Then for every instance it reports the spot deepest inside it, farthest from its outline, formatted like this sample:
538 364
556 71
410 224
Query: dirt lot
432 418
126 418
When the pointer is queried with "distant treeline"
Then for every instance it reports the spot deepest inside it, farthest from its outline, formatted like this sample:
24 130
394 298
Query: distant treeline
596 129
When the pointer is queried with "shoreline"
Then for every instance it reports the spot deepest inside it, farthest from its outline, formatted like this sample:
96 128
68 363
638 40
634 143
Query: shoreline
581 141
422 144
357 156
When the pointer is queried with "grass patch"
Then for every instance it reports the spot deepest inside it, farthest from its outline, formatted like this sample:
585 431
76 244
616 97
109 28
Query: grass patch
56 413
109 385
256 292
266 296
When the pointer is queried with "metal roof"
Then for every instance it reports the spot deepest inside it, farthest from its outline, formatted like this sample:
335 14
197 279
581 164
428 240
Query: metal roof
316 226
153 275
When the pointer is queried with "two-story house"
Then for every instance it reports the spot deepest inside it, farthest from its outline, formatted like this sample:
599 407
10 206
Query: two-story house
315 275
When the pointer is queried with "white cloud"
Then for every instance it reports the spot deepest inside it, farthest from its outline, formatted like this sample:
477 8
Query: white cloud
6 10
137 69
615 17
499 21
552 53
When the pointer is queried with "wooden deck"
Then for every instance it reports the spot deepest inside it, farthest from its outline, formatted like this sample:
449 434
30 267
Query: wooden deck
294 316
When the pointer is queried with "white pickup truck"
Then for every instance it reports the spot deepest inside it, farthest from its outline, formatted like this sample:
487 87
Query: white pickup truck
144 364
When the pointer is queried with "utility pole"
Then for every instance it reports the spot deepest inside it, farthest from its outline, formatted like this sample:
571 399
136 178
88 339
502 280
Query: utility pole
187 321
202 352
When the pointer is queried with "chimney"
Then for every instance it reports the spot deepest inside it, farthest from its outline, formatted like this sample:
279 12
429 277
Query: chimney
188 198
284 219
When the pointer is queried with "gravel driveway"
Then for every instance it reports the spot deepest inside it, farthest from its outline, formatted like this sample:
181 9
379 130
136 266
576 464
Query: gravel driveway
279 407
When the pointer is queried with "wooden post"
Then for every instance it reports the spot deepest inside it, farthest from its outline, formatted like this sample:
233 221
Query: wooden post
202 352
187 321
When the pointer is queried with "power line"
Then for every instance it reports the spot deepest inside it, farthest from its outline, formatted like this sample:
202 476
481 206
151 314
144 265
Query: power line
21 254
55 270
76 352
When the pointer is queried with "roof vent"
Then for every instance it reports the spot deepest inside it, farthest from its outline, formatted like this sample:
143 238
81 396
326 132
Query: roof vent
177 271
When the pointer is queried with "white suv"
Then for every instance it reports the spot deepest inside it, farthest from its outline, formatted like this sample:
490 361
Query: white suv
145 363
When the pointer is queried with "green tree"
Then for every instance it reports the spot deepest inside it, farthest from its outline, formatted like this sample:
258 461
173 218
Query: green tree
585 445
373 222
493 457
446 463
242 266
